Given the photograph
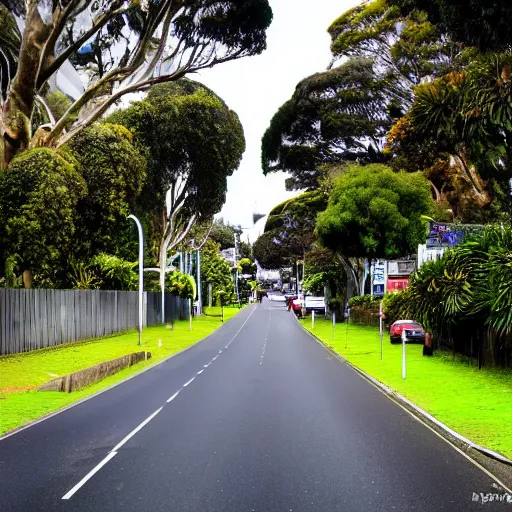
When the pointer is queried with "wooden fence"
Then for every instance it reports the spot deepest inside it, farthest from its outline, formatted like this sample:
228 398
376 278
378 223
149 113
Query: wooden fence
34 319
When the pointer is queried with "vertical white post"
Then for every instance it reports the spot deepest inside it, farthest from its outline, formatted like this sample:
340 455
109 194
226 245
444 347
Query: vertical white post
313 319
141 270
380 327
334 325
404 369
190 313
163 265
198 282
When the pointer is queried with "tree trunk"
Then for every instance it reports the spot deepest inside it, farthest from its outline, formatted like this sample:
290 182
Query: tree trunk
27 278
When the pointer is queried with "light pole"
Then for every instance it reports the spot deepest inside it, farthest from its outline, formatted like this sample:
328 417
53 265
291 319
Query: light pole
141 270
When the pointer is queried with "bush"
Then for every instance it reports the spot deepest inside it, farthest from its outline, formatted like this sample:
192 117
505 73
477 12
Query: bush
394 306
365 301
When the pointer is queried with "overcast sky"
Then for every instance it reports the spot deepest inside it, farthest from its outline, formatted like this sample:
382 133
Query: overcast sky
255 87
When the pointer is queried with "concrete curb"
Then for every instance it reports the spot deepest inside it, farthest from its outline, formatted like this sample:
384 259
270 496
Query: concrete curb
74 404
428 418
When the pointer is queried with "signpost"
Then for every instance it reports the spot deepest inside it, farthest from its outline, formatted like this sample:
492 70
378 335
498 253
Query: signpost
380 328
333 325
404 369
313 319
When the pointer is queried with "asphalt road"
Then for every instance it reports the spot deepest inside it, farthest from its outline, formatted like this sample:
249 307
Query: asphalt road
271 422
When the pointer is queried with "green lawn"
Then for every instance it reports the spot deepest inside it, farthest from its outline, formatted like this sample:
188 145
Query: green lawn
477 404
20 374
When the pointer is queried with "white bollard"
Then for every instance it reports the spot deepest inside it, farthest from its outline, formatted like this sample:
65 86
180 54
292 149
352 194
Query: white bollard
404 369
313 319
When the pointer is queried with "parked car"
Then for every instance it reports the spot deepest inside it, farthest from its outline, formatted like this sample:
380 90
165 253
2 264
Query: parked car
414 332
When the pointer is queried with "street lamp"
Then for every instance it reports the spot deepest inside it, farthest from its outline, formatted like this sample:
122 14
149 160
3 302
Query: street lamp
141 270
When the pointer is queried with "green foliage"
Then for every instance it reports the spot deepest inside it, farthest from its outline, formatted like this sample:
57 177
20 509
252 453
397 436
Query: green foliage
409 47
464 119
58 103
394 306
289 230
479 23
181 285
215 270
82 276
192 141
375 213
246 266
335 116
39 193
314 283
467 291
365 301
115 173
115 273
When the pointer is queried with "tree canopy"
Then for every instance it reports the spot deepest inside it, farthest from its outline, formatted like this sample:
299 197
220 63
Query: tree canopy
335 116
193 142
289 230
374 212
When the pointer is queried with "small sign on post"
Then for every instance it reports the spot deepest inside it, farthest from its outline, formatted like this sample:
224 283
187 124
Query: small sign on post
333 325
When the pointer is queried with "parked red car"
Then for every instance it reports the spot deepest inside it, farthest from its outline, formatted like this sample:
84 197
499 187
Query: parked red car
414 332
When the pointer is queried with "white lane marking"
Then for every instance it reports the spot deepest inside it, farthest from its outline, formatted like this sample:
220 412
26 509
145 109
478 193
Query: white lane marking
200 371
226 346
173 397
266 337
187 383
72 491
220 351
206 365
214 358
134 431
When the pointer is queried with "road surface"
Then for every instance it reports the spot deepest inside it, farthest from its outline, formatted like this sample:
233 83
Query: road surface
258 417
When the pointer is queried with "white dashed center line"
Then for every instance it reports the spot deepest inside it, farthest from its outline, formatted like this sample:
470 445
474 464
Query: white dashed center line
113 452
187 383
266 337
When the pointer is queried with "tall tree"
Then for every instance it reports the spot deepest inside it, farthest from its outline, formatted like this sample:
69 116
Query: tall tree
98 51
193 142
459 131
39 192
339 115
115 173
374 212
408 47
289 230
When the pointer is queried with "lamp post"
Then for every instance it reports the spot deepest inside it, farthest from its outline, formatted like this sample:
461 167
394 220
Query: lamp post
141 270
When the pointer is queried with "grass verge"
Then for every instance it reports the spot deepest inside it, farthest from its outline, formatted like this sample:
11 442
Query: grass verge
22 373
475 403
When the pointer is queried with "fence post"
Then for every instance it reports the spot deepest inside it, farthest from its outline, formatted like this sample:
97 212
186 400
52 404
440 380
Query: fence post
313 319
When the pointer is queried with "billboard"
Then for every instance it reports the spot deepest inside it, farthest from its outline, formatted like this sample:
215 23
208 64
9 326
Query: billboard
448 235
